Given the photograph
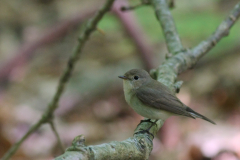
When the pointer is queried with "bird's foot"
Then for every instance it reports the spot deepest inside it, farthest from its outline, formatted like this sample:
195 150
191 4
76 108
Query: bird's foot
149 120
153 123
145 131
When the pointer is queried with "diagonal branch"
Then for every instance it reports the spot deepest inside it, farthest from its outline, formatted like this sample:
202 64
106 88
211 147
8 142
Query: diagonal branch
140 145
221 31
187 59
48 114
165 18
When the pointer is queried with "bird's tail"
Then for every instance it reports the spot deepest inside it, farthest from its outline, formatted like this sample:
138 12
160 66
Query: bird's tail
197 115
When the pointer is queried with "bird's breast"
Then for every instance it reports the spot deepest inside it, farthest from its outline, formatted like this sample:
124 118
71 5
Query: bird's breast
128 90
139 107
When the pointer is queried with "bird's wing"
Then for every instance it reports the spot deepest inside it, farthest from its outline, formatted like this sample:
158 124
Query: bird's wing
162 99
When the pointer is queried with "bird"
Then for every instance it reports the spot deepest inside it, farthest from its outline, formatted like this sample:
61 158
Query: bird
152 99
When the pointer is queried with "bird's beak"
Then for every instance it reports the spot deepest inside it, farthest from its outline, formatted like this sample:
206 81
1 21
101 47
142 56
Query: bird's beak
122 77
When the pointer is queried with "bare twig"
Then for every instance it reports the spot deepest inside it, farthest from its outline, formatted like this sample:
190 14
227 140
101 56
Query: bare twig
165 18
57 136
221 31
48 114
139 146
136 33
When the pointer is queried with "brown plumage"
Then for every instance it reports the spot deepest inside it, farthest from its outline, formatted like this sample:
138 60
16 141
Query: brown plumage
145 94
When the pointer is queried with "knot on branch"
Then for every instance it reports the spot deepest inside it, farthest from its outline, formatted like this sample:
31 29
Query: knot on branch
168 55
77 144
185 60
144 144
177 86
224 28
47 118
214 42
79 141
233 18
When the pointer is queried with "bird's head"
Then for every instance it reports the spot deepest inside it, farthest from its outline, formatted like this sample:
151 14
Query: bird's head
135 78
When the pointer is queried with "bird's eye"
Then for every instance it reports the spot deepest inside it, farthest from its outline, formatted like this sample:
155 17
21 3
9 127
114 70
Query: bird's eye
136 77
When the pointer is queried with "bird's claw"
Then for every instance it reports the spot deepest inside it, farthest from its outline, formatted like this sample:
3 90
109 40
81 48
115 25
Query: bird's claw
144 131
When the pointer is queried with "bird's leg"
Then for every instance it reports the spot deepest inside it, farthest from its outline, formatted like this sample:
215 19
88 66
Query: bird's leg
147 130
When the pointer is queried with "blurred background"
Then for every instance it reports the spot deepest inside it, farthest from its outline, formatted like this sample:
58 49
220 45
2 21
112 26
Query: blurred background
36 39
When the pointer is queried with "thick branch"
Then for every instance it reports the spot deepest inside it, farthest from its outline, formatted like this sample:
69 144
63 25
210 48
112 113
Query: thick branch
137 147
165 18
47 115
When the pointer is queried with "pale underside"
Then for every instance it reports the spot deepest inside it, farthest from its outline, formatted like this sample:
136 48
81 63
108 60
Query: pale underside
140 108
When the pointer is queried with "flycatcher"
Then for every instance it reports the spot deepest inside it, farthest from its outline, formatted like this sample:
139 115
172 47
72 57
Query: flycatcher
152 99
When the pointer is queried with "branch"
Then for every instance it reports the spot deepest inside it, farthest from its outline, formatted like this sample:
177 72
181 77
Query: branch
221 31
48 114
165 18
57 135
139 146
187 59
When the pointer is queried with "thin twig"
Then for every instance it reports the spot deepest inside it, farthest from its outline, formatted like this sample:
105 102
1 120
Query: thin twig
165 18
221 31
57 136
47 115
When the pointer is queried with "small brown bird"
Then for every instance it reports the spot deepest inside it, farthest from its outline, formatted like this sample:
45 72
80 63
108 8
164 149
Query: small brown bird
152 99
